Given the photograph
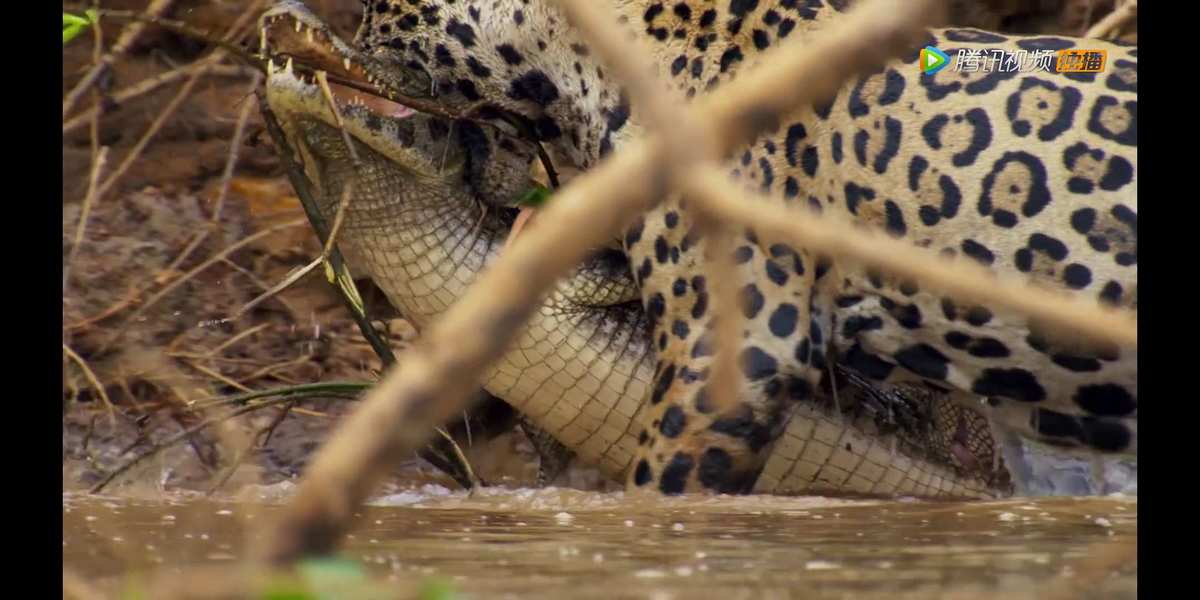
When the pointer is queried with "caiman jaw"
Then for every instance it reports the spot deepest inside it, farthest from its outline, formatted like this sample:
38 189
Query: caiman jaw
289 30
300 47
290 33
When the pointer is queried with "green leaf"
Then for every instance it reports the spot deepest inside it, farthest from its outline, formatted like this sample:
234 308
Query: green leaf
331 569
73 25
437 589
72 32
134 588
342 279
535 197
330 578
285 592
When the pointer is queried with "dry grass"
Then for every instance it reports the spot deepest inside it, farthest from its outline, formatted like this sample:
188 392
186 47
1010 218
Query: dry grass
103 63
129 349
187 374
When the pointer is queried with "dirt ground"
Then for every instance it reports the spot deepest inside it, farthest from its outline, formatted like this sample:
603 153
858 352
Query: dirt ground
165 260
170 252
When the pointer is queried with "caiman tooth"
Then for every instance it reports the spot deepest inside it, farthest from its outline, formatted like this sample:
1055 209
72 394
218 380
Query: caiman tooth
262 40
346 63
298 26
270 67
308 33
288 68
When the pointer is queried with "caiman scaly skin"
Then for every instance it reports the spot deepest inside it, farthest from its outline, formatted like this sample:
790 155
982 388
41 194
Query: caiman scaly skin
426 217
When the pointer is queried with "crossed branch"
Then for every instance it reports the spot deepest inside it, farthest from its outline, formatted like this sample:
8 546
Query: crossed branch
435 379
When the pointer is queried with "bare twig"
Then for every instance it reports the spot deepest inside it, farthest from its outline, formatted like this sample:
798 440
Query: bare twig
127 300
96 191
99 156
92 379
311 413
270 431
199 237
833 387
205 455
271 369
1114 22
286 396
338 217
220 359
347 191
263 434
163 116
85 210
462 458
262 285
226 43
1089 7
218 376
295 275
199 268
333 388
150 84
323 81
227 474
548 165
128 36
211 60
234 146
235 339
179 437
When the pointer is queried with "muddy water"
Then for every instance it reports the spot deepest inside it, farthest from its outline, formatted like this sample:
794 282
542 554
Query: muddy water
566 544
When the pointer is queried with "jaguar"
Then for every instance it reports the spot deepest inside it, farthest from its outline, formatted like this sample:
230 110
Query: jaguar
1032 173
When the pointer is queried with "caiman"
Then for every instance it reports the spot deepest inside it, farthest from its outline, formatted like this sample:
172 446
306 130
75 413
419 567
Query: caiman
430 205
